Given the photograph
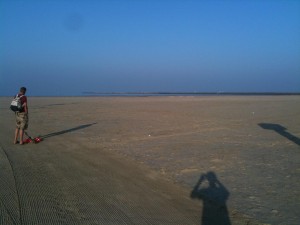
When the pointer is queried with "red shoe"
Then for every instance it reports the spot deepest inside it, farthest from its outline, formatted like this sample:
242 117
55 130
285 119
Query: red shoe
27 140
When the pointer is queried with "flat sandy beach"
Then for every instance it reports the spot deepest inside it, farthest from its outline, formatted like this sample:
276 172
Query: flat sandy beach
221 160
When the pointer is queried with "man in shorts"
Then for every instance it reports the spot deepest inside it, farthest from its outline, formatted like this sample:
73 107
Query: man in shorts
21 117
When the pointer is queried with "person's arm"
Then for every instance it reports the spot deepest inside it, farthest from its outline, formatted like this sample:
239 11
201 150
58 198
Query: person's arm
196 192
25 106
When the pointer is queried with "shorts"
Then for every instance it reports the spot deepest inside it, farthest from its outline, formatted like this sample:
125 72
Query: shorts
22 120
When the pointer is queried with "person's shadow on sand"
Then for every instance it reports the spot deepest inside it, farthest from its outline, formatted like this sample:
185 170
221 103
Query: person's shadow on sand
66 131
214 196
280 130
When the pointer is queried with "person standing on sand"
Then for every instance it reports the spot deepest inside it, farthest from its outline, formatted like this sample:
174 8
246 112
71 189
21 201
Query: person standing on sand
21 117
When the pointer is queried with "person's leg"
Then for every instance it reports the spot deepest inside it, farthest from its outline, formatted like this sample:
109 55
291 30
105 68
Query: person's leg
21 136
22 124
16 136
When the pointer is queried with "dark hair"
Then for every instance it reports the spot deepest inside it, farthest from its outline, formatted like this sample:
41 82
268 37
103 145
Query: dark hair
23 90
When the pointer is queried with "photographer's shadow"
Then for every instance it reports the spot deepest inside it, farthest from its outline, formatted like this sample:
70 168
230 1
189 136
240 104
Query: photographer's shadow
214 196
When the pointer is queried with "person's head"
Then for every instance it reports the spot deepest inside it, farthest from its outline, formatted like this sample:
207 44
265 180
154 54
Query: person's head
23 90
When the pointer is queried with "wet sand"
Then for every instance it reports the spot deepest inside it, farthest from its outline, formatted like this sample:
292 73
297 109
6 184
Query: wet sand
139 160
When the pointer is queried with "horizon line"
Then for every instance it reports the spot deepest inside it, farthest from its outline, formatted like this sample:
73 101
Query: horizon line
164 93
189 93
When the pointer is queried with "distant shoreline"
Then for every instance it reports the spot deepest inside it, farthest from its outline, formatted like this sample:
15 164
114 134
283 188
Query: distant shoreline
136 94
157 94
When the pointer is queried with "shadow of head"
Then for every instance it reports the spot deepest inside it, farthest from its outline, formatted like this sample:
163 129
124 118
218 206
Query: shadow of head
272 126
211 177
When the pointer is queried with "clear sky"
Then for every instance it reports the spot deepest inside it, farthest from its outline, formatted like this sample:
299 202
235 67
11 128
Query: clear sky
61 47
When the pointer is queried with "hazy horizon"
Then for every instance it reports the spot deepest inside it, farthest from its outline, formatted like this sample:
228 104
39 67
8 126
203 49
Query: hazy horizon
65 48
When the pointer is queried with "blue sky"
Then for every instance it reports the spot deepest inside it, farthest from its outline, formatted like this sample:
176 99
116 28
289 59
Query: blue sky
62 47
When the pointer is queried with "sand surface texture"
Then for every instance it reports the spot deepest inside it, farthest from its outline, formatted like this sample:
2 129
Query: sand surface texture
221 160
